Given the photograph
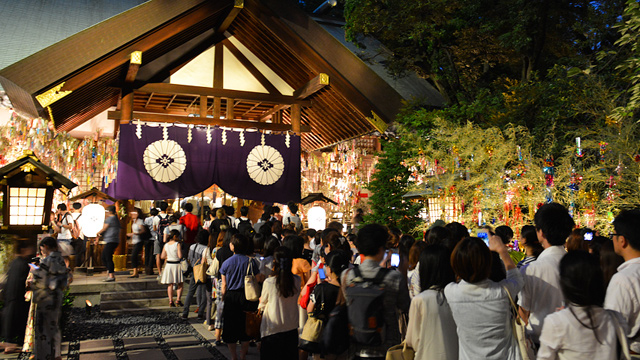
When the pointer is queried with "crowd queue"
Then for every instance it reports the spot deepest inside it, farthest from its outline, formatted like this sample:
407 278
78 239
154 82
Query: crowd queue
552 292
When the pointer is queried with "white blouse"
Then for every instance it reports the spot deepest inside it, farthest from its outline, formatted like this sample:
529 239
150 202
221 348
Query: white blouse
431 331
564 338
280 314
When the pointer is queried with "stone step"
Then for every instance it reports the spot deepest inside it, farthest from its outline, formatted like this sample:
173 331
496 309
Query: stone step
136 303
133 311
128 295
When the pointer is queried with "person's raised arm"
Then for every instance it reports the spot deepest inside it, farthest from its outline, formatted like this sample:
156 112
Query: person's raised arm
496 244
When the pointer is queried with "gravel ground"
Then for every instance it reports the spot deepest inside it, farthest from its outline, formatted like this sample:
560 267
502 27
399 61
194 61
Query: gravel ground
80 326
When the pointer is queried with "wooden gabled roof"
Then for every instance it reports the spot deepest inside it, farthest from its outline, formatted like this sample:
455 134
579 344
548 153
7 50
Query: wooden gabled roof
84 75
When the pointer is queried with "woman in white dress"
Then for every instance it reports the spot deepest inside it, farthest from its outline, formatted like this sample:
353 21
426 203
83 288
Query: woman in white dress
172 272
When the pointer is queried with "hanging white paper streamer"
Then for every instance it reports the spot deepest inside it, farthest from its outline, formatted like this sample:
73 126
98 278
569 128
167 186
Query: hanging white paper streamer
189 135
165 132
139 129
242 137
208 134
287 140
224 137
262 140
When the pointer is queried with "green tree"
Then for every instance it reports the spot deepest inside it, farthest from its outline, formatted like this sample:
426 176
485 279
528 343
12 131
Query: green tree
390 182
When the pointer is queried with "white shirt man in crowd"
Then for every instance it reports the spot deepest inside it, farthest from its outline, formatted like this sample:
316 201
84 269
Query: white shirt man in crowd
623 293
541 294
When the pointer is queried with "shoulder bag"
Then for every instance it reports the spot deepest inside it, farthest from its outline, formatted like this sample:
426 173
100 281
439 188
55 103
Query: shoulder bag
518 326
199 271
214 267
623 342
251 286
400 352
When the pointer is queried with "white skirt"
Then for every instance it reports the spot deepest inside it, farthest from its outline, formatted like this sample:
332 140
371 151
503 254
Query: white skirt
171 274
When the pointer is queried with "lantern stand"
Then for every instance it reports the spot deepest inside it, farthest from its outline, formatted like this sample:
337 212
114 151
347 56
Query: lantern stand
27 187
94 212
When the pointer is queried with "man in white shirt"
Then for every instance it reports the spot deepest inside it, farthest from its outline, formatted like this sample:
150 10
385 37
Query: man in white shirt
62 226
623 293
293 218
79 245
541 294
157 250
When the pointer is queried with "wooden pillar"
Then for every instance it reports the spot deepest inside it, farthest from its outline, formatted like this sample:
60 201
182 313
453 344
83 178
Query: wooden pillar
216 107
230 112
203 107
296 118
126 108
239 205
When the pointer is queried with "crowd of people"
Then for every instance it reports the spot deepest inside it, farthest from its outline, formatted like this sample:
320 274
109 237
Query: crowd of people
449 294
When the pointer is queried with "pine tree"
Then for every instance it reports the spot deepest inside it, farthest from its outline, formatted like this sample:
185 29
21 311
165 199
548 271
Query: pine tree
390 182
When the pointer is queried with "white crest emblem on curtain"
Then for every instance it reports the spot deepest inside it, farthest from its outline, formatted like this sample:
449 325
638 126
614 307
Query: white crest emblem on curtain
265 164
164 160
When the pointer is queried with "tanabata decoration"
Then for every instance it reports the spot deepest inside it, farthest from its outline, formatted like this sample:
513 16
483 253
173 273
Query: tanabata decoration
162 163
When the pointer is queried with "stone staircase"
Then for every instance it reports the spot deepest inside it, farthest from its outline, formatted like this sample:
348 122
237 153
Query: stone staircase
128 296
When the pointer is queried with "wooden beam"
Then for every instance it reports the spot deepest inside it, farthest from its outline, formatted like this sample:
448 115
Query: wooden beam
203 106
243 124
203 12
248 111
218 66
314 85
148 100
165 88
253 70
134 65
296 118
171 101
228 20
272 111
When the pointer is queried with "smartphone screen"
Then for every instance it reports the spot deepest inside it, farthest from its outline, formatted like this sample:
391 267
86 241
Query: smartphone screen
395 260
484 236
322 274
588 236
34 266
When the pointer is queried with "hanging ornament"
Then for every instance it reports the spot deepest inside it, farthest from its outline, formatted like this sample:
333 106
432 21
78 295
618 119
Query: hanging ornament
262 140
224 137
208 134
519 153
242 137
287 140
603 150
139 129
578 148
548 170
189 134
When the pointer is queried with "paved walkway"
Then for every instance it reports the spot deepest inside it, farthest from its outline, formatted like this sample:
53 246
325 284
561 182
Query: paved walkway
194 346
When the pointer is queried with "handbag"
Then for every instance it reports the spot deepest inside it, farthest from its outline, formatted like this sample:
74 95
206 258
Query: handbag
518 326
253 320
623 342
312 331
400 352
214 267
199 272
251 286
184 266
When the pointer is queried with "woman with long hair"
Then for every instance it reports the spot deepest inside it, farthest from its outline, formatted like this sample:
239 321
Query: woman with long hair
279 328
583 329
217 250
233 271
431 331
481 307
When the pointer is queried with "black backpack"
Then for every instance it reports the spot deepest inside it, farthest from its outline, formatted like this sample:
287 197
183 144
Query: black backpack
365 306
164 223
245 228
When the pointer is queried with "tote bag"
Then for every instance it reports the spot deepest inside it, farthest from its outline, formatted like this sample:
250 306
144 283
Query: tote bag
251 286
525 344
